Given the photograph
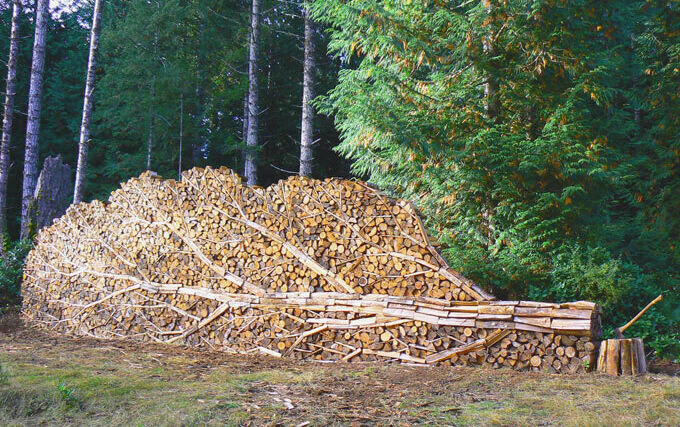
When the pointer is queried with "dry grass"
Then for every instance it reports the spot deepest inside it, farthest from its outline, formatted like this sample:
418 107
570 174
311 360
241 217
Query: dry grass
53 380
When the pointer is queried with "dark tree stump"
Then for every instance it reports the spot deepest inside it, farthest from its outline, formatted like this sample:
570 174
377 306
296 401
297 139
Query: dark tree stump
52 193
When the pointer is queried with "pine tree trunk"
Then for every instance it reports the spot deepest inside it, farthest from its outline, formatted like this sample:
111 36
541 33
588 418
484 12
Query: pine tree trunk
8 116
491 102
33 123
149 142
493 108
307 125
250 169
244 132
199 143
181 135
88 103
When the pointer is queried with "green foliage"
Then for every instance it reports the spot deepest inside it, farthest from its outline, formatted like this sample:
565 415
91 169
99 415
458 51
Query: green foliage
587 273
11 273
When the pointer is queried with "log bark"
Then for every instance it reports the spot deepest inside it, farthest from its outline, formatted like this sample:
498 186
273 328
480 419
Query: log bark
639 356
34 108
613 357
307 124
250 168
626 357
88 104
10 91
602 358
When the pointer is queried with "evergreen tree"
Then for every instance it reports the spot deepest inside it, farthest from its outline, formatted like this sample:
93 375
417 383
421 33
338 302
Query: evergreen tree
511 125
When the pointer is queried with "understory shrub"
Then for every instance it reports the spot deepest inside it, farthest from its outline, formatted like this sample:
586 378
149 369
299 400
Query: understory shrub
622 289
11 271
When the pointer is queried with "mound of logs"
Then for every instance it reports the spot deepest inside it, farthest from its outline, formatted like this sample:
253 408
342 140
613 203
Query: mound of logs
306 269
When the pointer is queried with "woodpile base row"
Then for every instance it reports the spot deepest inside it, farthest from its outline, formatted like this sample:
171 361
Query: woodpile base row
306 269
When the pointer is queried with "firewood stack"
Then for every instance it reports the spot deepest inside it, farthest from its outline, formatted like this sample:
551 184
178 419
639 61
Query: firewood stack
307 269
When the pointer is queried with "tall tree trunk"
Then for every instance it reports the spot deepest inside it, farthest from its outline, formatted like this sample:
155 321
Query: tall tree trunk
491 102
244 131
149 146
34 106
307 125
8 116
250 169
181 135
149 141
88 103
493 109
199 144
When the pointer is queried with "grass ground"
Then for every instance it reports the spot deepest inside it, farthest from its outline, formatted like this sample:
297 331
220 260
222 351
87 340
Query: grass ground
52 380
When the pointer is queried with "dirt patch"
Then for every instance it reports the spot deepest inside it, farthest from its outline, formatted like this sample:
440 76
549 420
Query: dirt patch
666 367
10 320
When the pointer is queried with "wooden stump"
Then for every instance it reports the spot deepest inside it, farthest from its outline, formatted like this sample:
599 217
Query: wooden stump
622 357
52 192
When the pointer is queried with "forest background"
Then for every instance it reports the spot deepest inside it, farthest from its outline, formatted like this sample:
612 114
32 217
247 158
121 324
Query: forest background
540 139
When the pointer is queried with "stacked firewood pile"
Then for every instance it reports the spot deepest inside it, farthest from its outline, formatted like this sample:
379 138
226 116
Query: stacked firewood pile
307 269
